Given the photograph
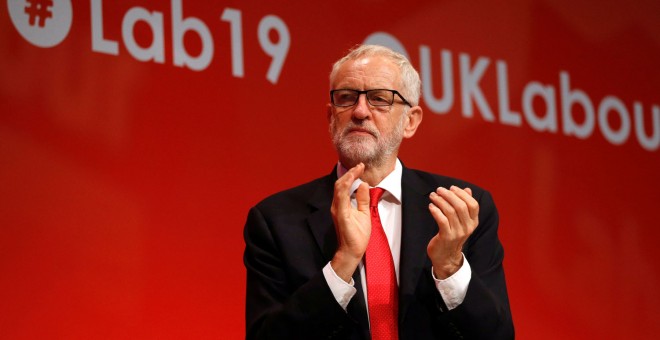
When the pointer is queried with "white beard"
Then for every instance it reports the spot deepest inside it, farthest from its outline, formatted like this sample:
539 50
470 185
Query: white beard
371 150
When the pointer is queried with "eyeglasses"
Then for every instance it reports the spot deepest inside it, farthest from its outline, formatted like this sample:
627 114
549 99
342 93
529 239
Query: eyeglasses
375 97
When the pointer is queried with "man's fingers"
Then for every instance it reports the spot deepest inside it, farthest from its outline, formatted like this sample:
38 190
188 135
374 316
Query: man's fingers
343 185
440 218
442 211
466 207
351 175
362 197
458 207
466 196
356 171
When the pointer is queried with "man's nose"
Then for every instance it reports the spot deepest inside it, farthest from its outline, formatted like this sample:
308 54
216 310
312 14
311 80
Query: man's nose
361 109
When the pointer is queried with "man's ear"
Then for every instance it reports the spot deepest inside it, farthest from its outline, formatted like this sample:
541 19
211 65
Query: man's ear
413 120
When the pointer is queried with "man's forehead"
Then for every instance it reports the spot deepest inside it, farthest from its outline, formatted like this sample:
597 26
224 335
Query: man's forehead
368 72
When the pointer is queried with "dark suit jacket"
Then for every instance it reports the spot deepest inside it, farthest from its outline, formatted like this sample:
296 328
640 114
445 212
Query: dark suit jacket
290 237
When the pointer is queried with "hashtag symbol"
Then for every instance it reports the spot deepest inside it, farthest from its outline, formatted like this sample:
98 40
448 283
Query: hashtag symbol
39 9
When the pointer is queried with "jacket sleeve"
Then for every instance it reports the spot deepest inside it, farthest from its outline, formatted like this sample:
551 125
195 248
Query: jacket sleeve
275 308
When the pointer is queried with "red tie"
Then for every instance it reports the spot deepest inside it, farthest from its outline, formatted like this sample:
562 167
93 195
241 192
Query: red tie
382 290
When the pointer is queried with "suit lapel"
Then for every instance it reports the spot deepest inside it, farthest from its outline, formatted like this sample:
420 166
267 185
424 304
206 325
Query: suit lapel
322 227
357 308
418 227
320 219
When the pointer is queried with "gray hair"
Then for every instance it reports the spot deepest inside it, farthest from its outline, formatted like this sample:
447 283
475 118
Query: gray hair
411 85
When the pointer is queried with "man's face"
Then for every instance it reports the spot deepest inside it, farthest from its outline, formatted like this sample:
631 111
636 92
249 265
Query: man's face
362 133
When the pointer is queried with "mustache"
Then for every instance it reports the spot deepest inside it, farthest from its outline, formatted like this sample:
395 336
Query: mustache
351 126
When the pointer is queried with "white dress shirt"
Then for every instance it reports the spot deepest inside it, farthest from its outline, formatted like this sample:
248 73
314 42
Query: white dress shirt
452 289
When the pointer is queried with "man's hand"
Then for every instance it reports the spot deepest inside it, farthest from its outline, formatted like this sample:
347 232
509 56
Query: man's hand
353 226
457 214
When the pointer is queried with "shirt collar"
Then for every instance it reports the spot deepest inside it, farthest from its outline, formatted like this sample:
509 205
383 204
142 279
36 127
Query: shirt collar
391 183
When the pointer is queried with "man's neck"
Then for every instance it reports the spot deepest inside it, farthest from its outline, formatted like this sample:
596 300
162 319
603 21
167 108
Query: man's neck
374 174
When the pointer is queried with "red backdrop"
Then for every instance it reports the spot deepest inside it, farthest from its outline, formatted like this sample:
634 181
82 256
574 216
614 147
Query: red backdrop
135 135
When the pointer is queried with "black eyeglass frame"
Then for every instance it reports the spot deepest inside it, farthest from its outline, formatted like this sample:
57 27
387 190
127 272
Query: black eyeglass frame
359 93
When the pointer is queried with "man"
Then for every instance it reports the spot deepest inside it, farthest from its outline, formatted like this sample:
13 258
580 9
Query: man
418 258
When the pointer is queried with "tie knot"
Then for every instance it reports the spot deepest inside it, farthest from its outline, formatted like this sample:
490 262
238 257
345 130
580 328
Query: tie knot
375 194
